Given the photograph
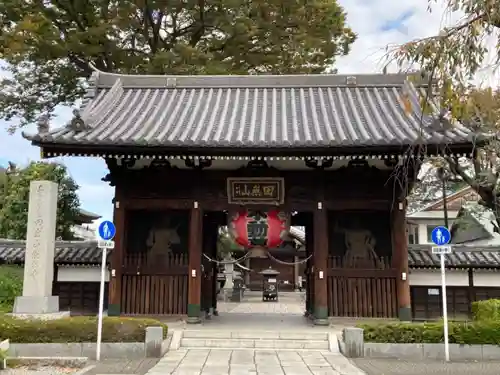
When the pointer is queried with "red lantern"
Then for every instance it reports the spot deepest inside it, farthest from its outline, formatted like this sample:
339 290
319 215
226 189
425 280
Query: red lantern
256 228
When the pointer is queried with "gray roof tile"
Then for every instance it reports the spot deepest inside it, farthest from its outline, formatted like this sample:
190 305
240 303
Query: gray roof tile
306 111
66 252
421 256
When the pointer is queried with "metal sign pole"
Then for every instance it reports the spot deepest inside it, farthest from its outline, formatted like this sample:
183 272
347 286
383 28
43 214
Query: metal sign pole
101 304
441 236
445 311
105 232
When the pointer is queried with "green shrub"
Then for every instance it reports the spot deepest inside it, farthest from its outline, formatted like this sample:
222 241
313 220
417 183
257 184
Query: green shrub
481 332
11 286
76 329
486 310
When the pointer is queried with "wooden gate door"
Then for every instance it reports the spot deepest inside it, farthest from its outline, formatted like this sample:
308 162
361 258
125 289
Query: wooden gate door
155 289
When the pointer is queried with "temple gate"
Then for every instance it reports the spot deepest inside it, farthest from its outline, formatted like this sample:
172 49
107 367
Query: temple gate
339 152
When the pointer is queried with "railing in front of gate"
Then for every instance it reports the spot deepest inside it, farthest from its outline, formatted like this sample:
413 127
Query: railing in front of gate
362 292
154 286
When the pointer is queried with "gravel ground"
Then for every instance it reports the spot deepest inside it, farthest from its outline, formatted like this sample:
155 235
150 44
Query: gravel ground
374 366
122 366
39 370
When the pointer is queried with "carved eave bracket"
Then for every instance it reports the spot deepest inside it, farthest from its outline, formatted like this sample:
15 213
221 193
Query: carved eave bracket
319 164
198 163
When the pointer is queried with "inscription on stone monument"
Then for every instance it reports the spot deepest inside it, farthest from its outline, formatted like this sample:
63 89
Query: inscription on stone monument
39 256
40 239
37 233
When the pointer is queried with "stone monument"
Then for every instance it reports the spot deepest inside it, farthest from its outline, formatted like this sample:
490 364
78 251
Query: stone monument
37 299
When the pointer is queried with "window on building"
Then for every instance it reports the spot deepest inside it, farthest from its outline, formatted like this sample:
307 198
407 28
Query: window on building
430 228
412 234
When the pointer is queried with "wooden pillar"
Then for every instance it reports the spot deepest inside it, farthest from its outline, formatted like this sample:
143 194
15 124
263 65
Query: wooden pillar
194 271
210 249
117 254
400 259
320 225
309 277
471 295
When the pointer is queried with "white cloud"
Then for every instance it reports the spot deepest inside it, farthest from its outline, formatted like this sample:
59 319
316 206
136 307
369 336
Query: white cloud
367 17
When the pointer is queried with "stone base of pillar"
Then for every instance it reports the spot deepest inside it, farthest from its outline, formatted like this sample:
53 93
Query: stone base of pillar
321 316
405 314
36 305
194 312
321 322
113 309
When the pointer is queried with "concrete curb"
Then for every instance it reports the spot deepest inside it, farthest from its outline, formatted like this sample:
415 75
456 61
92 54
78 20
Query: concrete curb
4 345
132 350
353 346
175 344
432 351
333 343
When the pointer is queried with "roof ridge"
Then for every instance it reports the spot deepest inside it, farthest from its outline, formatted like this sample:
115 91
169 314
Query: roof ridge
104 80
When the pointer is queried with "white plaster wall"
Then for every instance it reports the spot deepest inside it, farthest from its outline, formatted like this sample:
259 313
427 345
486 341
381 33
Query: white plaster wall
486 278
433 277
73 274
455 278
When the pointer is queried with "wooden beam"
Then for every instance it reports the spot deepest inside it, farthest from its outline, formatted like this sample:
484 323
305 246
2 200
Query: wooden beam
115 280
400 259
195 253
309 267
320 248
471 293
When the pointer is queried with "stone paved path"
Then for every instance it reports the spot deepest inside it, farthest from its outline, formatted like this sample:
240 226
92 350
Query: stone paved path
288 303
397 367
252 362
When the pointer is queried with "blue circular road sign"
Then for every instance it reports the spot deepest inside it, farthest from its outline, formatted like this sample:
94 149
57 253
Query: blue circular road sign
106 230
441 236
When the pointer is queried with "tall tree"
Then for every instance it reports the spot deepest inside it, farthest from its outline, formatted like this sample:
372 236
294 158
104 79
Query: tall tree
50 45
15 200
451 60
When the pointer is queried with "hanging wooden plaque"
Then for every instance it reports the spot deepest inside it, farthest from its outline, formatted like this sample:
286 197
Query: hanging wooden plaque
256 190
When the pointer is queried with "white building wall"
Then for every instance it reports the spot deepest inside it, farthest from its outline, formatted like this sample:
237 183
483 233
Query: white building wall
77 274
433 278
454 278
486 278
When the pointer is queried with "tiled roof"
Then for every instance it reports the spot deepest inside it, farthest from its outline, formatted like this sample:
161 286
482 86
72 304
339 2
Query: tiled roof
253 112
66 252
420 256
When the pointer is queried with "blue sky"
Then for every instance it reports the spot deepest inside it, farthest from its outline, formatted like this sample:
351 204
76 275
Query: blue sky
377 23
94 194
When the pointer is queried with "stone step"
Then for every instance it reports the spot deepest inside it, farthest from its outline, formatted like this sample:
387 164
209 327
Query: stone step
252 343
255 335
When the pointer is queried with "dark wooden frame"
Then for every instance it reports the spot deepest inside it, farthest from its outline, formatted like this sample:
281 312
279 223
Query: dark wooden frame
314 192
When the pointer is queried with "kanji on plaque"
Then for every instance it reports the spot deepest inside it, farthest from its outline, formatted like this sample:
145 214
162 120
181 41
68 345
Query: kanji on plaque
250 190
